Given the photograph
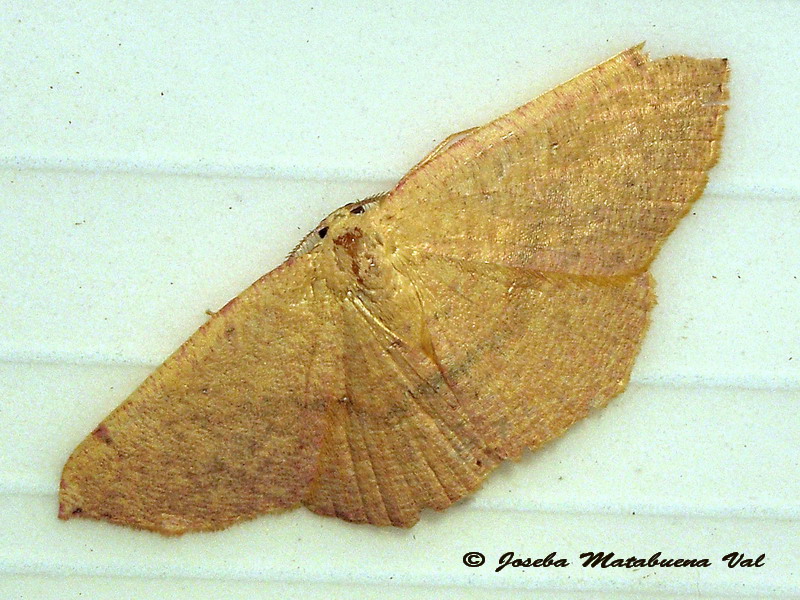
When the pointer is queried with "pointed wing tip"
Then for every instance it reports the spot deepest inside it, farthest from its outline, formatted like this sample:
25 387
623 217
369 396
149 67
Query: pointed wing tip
82 495
68 508
637 53
71 501
64 513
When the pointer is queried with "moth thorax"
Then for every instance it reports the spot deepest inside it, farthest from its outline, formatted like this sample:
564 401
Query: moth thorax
360 260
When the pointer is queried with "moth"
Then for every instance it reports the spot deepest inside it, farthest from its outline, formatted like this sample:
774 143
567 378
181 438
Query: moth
415 340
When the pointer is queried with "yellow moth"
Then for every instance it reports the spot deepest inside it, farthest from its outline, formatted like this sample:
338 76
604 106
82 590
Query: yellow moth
415 340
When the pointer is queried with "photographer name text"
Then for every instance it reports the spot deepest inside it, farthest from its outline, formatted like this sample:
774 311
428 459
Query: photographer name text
606 560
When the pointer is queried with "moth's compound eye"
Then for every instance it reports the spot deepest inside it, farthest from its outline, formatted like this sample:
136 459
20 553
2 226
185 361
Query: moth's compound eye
322 233
357 210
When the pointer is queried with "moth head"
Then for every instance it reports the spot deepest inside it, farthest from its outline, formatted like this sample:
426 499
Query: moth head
336 222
